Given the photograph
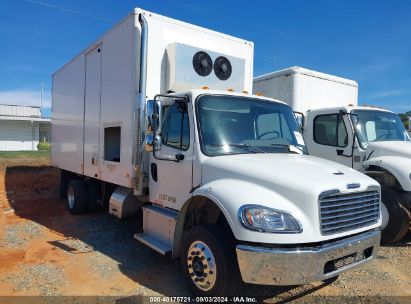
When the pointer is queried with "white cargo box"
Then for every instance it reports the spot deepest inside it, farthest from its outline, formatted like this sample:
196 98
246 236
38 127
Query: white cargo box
305 89
95 95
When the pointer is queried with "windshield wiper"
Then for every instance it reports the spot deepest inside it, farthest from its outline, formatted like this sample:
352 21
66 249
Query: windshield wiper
256 149
289 146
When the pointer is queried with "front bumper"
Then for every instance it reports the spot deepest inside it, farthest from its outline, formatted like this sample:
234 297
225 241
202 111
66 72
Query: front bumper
297 266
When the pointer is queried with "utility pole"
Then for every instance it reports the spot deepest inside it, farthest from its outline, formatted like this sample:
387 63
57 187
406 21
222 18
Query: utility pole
41 99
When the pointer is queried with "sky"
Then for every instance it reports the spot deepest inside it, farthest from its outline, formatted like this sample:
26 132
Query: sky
367 41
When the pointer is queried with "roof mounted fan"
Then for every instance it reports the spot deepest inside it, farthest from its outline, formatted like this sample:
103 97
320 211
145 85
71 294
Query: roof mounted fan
222 68
202 63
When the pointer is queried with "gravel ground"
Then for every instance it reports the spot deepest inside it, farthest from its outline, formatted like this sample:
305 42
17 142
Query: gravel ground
44 278
19 235
46 251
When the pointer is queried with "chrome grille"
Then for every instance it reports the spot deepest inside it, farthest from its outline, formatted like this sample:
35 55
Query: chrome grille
343 212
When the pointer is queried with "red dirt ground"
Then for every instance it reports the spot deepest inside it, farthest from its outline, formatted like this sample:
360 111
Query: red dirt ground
46 251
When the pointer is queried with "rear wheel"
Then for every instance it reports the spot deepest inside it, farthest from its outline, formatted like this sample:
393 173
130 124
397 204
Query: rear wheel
93 195
398 220
76 197
209 261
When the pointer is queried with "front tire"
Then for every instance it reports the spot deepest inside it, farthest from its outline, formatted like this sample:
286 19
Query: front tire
76 197
398 216
209 261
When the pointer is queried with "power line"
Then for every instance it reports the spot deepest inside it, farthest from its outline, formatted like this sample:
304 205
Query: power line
70 10
256 25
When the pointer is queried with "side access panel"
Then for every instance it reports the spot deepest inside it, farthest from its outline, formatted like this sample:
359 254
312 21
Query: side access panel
92 112
68 116
119 84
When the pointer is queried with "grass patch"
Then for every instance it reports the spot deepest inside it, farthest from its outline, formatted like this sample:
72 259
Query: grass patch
24 154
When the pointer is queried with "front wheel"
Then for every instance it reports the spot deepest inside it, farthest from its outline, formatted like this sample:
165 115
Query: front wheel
209 261
395 216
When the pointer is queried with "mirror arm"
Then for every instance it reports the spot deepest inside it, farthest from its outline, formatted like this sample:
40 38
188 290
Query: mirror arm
354 136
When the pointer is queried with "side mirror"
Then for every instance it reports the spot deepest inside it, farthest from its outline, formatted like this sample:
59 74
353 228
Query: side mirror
157 118
299 118
149 115
149 137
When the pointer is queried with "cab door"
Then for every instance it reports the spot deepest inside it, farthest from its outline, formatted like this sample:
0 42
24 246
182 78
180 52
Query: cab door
171 179
329 135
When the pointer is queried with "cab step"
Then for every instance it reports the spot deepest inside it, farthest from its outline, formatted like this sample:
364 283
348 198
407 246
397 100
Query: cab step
158 225
153 243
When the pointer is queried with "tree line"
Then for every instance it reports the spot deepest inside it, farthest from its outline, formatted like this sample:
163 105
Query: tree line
404 118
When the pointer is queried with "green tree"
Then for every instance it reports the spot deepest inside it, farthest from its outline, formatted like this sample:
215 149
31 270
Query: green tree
404 117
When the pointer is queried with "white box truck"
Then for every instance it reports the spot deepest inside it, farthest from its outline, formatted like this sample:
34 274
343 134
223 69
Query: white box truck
155 115
369 139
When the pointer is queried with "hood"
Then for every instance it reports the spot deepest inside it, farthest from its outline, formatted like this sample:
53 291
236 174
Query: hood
286 174
389 148
288 182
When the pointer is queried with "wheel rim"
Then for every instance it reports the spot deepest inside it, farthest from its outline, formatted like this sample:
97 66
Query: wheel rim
70 197
201 266
384 215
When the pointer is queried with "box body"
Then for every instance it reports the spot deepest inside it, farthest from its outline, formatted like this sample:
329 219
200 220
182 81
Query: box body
95 94
305 90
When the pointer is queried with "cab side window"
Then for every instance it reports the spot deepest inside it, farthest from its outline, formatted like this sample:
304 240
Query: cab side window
176 127
330 130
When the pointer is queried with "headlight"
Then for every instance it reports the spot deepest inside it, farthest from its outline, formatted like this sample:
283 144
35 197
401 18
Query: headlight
265 219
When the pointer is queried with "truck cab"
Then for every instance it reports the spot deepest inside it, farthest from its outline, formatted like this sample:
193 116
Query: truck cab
369 139
232 168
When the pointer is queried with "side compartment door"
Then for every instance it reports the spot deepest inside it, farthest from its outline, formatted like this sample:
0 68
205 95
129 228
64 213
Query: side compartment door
328 135
170 181
92 112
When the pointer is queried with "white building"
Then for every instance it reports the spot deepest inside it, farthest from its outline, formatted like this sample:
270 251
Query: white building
22 128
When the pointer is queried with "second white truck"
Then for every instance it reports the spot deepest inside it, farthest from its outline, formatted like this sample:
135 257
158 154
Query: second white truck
369 139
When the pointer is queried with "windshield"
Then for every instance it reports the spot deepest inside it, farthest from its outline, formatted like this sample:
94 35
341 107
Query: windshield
234 125
378 126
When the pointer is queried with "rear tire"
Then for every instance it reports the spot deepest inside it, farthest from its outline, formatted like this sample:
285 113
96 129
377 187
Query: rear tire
76 197
209 261
398 216
65 178
93 195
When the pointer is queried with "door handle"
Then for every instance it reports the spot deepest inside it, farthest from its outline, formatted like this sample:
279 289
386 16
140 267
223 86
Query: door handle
179 157
340 152
154 172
